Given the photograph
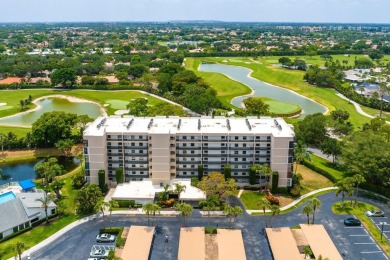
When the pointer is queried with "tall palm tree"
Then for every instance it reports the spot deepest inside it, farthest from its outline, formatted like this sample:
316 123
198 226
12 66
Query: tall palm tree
307 210
315 204
300 154
101 206
179 188
19 248
383 89
358 179
344 186
264 204
275 210
111 205
185 211
155 209
45 200
147 208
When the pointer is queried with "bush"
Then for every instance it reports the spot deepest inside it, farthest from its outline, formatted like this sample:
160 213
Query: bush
273 200
126 203
137 206
194 181
282 190
78 180
295 190
319 170
168 203
119 175
252 188
209 230
275 181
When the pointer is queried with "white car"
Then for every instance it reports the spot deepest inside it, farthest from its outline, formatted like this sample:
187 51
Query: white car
375 213
99 253
105 238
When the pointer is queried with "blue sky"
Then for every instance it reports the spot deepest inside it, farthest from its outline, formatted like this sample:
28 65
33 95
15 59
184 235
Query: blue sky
346 11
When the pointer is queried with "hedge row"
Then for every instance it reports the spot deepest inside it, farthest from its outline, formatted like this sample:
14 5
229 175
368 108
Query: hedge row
320 171
126 203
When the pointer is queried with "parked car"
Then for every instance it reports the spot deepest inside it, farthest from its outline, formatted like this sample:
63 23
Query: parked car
375 213
352 222
99 253
105 238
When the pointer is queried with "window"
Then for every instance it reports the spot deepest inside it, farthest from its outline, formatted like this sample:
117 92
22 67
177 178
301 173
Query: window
141 144
184 137
184 173
236 137
244 145
235 152
15 229
184 145
133 151
192 137
192 173
132 144
133 158
236 159
140 137
235 145
244 159
53 211
222 137
244 138
141 151
236 173
244 152
134 172
192 152
141 172
192 144
133 165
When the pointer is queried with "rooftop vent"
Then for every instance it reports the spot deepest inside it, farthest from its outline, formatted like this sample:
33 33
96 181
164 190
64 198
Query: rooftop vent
101 123
150 123
248 124
199 124
130 123
277 124
228 124
179 124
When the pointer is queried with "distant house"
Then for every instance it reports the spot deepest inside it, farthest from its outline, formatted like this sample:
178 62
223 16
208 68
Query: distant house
111 79
10 80
19 209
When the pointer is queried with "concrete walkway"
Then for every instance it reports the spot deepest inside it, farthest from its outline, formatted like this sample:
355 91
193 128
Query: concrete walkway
240 192
295 202
357 106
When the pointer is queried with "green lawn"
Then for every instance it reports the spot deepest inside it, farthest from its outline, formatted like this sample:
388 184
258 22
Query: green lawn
336 171
358 211
12 98
293 80
226 88
312 180
19 131
278 107
251 199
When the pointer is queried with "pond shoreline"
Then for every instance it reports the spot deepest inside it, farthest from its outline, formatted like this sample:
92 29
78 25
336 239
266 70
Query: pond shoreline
69 98
253 91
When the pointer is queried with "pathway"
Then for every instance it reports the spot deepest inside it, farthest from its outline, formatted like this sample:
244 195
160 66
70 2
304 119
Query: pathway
357 106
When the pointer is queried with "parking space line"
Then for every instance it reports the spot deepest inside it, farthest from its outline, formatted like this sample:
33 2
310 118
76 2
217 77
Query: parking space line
353 227
371 252
358 235
364 243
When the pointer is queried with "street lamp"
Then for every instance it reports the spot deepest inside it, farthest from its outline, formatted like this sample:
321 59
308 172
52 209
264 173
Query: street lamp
382 223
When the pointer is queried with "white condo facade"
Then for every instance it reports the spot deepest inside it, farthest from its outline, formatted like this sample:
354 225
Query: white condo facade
163 148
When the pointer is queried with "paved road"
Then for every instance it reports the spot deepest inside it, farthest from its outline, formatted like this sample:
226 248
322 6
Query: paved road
76 244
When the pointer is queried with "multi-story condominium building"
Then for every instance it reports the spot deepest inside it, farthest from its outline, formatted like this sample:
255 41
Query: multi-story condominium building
163 148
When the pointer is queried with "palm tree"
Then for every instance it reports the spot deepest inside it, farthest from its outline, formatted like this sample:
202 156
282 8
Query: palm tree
147 208
233 213
383 89
185 211
344 186
307 210
358 179
264 204
45 200
210 205
275 210
179 188
111 205
101 206
300 154
155 209
315 204
56 186
19 248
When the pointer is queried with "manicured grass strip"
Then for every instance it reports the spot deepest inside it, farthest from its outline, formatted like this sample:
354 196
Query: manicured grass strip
312 180
18 131
358 211
226 88
251 199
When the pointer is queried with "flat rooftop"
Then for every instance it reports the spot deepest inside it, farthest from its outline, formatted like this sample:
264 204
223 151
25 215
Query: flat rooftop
320 242
283 244
230 245
192 244
138 243
189 125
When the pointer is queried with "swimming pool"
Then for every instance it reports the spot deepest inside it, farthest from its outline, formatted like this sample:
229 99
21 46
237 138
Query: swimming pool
7 197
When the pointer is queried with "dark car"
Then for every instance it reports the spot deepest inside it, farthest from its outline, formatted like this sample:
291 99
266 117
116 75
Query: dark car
352 222
105 238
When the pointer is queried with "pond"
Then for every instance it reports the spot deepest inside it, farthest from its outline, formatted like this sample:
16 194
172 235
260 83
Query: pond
51 104
25 170
263 89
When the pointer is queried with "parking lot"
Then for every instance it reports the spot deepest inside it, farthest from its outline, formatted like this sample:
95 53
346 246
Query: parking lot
353 242
385 221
